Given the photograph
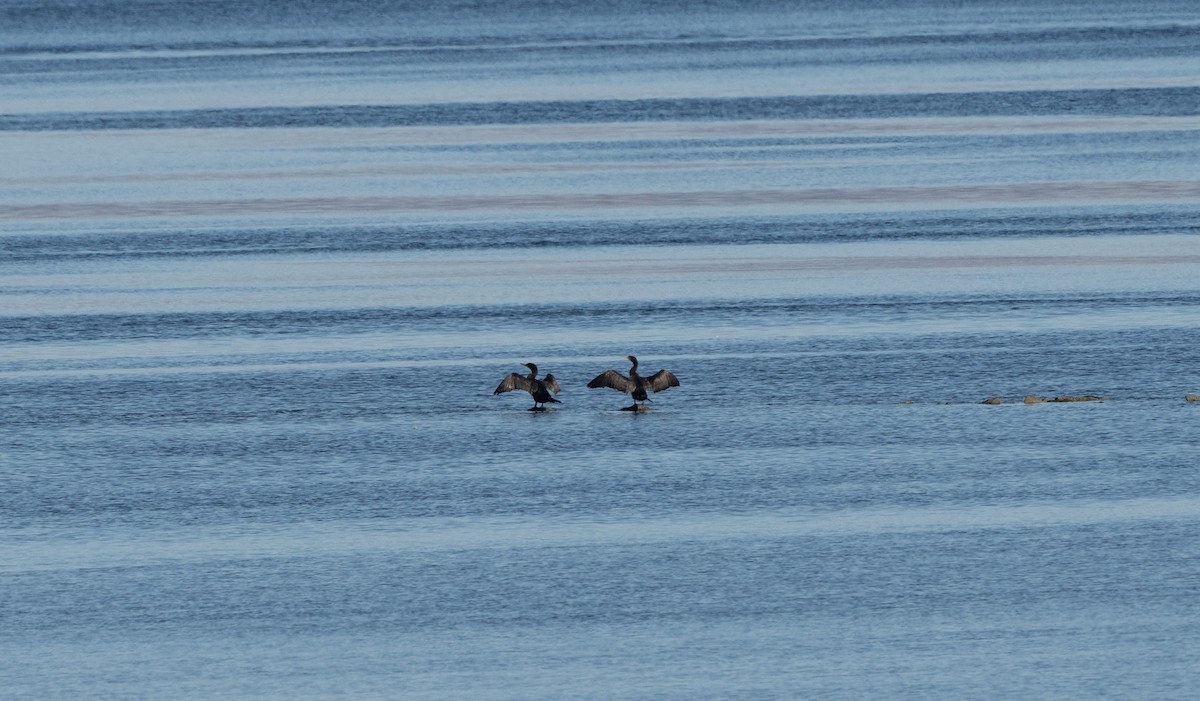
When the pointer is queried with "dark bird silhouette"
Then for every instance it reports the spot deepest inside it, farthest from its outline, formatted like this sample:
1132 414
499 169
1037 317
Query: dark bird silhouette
635 384
541 390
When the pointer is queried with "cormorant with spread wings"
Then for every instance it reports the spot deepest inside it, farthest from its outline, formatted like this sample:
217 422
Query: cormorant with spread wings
635 384
540 389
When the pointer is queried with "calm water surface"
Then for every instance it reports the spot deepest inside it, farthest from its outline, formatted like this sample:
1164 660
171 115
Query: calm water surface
262 264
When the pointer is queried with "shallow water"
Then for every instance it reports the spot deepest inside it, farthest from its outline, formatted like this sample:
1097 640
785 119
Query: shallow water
263 264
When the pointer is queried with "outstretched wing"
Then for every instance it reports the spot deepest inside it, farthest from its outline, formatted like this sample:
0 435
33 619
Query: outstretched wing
551 383
613 380
661 380
514 381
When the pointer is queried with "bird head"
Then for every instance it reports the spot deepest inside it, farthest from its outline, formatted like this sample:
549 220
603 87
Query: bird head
631 359
532 367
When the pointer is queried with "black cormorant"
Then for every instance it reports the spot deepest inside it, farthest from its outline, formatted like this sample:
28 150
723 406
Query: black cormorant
540 389
635 384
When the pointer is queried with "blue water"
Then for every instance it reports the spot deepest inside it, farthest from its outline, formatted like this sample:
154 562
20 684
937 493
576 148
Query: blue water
262 265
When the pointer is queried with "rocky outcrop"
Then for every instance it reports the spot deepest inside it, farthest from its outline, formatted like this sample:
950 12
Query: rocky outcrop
1062 398
1192 398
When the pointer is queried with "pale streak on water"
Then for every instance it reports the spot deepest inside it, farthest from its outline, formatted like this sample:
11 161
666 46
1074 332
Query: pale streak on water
261 265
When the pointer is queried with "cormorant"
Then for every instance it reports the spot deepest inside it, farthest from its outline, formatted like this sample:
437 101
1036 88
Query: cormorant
540 389
635 384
